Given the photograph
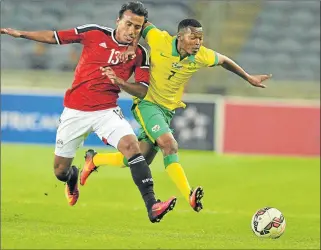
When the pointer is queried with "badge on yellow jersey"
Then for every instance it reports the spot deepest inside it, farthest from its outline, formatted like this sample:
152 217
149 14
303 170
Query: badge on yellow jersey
177 65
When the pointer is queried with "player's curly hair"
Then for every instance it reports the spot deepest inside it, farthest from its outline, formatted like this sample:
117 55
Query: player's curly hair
137 8
188 23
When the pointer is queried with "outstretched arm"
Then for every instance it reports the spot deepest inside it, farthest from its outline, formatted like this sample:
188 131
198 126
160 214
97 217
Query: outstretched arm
46 36
229 64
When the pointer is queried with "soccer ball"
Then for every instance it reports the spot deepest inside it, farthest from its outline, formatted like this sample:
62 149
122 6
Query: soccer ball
268 222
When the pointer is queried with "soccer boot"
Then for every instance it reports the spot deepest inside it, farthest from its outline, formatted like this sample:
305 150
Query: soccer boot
195 199
71 188
159 209
89 166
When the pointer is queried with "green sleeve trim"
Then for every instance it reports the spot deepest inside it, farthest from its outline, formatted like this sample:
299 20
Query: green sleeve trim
169 159
216 60
125 162
148 28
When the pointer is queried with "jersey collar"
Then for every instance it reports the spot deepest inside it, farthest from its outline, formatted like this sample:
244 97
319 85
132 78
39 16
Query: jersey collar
175 52
113 36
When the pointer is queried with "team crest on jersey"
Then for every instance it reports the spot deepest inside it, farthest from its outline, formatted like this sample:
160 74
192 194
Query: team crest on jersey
192 65
176 65
156 128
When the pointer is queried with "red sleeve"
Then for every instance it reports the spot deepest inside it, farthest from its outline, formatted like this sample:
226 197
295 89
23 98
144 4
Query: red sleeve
81 34
69 36
142 66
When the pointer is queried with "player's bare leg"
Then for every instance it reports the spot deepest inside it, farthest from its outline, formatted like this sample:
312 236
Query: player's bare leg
148 151
169 147
69 174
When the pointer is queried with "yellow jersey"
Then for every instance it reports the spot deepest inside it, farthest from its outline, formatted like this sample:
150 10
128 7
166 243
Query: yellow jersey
168 73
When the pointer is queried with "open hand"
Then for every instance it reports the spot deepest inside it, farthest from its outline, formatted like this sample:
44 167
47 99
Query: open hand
10 32
107 71
256 80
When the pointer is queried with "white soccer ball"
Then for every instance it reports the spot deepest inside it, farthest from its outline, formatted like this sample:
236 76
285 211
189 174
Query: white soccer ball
268 222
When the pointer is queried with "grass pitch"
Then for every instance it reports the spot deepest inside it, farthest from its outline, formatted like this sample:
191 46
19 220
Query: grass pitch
110 213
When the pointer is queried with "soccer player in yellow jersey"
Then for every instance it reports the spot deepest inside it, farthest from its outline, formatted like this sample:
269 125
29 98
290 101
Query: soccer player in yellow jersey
174 59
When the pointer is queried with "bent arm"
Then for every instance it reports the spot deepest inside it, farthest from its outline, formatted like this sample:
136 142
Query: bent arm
137 89
134 44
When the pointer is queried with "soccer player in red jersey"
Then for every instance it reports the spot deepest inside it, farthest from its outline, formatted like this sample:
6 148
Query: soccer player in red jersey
90 105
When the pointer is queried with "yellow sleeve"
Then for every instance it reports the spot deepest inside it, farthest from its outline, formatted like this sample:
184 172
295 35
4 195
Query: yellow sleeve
210 57
152 35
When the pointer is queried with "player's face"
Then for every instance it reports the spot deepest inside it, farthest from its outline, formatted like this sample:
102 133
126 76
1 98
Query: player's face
191 40
128 27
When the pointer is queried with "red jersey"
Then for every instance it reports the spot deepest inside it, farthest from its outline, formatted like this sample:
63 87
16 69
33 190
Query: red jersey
90 90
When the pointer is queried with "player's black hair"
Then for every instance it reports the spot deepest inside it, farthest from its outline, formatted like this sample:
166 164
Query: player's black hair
136 7
188 23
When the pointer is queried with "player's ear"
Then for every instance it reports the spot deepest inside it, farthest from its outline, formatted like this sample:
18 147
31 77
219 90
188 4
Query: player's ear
117 20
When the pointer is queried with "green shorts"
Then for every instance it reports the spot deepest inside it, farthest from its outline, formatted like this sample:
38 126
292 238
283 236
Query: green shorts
153 119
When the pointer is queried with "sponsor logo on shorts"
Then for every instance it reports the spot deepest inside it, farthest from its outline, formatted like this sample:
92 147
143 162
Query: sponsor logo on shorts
156 128
59 143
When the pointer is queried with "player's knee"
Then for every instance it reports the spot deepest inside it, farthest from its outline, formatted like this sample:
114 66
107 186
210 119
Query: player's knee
61 171
129 147
169 146
132 148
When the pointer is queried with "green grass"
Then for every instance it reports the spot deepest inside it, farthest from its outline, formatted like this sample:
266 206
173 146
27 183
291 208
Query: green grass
111 214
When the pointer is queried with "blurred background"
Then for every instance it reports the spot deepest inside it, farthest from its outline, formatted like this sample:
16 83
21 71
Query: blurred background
278 37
